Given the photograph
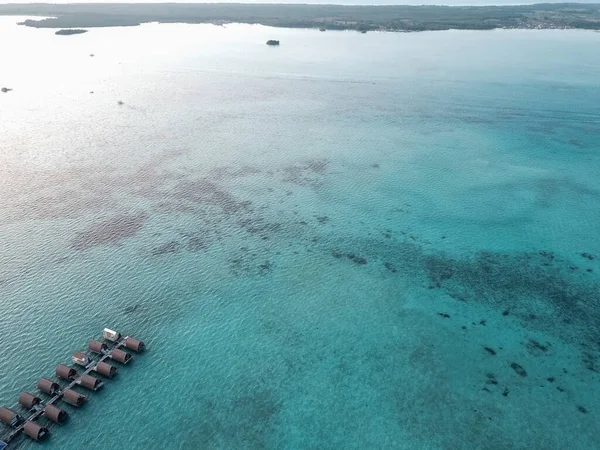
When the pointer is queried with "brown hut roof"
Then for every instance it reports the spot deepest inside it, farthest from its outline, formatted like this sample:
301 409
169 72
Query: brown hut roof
120 356
96 346
28 401
90 382
48 386
74 397
108 370
134 344
34 431
55 414
65 372
8 416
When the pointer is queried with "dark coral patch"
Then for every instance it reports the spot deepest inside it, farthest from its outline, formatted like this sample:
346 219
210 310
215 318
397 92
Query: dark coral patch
490 350
491 378
356 259
308 174
439 270
390 267
109 232
206 192
337 254
590 361
518 369
167 248
267 266
196 244
132 308
536 348
259 225
508 282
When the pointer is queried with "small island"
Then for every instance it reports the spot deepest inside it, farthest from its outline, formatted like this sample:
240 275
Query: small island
272 42
70 32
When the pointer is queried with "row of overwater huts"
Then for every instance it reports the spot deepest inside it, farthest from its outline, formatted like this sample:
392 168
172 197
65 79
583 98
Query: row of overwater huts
112 348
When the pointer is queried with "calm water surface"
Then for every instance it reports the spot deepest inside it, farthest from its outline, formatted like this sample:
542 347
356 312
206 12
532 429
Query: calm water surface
348 241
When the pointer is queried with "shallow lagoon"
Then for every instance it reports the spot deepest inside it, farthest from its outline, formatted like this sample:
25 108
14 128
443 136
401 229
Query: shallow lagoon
349 241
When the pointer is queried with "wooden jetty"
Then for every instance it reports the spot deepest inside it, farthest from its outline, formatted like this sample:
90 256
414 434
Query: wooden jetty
111 349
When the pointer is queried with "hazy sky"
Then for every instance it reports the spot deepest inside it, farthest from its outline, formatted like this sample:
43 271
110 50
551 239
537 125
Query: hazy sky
341 2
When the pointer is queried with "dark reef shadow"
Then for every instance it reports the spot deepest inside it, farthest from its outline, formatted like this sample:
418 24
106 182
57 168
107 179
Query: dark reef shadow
109 232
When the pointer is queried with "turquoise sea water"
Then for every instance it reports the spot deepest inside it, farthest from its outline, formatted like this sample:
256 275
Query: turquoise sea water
350 241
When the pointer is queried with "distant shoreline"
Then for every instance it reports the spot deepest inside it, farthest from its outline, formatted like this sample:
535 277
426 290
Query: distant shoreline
323 17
